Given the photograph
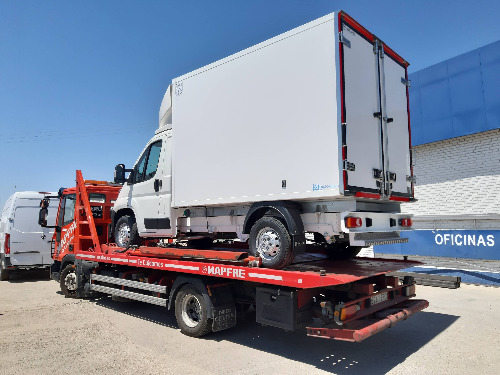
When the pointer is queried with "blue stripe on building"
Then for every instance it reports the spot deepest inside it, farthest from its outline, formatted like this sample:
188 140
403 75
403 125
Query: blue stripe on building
471 244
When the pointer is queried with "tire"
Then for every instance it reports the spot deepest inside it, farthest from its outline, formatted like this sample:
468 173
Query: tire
126 233
68 281
342 251
191 312
270 240
4 273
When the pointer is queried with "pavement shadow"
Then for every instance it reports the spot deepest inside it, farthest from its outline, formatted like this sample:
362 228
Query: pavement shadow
376 355
23 276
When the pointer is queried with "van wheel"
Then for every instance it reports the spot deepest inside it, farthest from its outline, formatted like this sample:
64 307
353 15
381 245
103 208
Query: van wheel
270 240
126 233
4 273
68 281
191 312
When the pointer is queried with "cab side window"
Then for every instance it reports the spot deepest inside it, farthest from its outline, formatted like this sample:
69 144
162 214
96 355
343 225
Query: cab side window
154 157
139 169
147 165
69 209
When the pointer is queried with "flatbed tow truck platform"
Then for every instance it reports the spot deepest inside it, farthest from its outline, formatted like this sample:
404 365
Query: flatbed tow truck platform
346 300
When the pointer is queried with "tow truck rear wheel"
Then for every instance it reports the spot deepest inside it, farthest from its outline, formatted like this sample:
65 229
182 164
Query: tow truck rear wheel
270 240
68 281
191 312
126 233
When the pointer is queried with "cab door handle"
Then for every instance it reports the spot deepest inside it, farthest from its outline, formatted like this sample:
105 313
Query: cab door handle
157 184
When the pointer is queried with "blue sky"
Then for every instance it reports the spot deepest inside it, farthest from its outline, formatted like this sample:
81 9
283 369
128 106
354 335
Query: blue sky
81 82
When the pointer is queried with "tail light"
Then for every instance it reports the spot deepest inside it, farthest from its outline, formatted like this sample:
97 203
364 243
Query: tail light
353 222
6 245
405 222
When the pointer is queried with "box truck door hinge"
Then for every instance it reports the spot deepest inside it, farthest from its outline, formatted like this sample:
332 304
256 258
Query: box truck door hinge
350 166
411 179
377 174
406 82
344 40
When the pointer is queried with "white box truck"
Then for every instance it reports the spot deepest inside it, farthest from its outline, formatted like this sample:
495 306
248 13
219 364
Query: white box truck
303 136
23 243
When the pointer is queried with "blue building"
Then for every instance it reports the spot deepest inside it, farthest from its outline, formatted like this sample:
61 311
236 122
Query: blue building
455 121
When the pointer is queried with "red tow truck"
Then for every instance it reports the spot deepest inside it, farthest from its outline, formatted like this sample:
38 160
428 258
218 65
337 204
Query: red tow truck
348 300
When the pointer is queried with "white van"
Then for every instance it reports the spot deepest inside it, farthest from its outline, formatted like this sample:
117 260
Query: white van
24 243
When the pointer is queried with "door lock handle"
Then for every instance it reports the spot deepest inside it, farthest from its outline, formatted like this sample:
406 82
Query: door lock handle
157 184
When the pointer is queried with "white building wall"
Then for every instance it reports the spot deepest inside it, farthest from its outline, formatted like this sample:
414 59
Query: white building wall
458 183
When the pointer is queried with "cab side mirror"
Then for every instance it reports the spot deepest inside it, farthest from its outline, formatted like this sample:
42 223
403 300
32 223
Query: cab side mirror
119 174
42 217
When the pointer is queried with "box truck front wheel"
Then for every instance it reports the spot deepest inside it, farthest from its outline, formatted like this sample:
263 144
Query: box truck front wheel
191 312
126 233
68 281
269 239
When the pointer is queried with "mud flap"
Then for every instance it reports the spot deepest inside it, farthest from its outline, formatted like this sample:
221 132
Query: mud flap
223 307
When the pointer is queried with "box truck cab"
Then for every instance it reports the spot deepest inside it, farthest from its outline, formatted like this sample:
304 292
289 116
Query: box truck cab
303 139
23 243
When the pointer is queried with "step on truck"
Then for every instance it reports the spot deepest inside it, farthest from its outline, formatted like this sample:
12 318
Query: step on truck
208 290
304 134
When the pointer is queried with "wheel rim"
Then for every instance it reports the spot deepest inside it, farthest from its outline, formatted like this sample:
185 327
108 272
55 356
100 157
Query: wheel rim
268 243
123 234
70 282
191 310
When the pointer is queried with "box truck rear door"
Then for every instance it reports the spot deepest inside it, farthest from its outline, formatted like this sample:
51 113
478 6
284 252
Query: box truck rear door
376 135
363 151
396 127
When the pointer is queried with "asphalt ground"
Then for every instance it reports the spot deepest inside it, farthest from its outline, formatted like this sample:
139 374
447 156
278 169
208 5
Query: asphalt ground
41 332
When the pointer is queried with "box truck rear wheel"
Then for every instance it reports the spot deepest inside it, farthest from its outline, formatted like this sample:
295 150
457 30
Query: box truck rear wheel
269 239
191 312
126 233
68 281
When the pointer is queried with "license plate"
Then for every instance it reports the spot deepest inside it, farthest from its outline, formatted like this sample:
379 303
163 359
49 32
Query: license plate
379 298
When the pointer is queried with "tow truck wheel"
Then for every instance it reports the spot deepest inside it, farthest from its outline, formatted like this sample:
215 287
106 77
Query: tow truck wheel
4 273
191 312
68 281
270 240
126 233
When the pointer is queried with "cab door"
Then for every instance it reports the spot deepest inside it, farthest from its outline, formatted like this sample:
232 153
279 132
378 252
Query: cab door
145 185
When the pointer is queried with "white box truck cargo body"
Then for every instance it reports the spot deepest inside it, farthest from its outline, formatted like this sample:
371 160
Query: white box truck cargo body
310 128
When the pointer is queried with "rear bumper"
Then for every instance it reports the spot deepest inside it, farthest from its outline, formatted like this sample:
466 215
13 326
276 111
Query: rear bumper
360 330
